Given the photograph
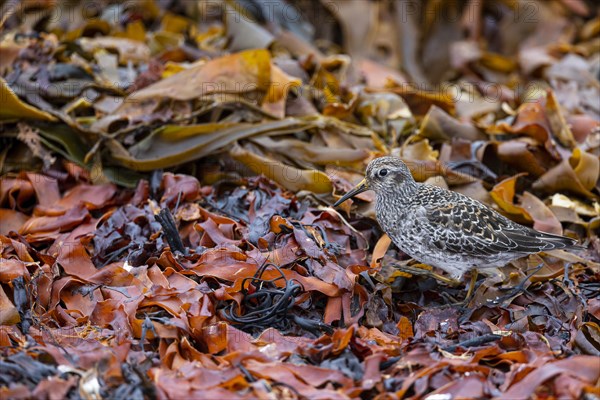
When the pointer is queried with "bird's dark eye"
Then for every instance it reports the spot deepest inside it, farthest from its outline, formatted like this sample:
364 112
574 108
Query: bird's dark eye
383 172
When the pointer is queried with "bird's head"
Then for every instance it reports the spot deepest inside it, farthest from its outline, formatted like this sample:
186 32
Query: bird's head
384 174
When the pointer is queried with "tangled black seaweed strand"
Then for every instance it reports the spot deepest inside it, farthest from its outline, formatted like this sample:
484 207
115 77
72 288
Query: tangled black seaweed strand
166 220
268 305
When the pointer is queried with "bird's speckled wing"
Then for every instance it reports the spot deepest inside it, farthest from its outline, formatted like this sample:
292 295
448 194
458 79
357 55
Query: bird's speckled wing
463 225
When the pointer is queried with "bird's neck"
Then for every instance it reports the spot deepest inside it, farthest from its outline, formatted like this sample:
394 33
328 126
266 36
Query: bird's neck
403 192
407 189
392 206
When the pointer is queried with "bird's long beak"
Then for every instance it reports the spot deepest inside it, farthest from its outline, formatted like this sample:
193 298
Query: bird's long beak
361 187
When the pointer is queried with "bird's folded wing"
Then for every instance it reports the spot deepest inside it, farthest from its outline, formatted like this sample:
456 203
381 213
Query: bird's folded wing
468 227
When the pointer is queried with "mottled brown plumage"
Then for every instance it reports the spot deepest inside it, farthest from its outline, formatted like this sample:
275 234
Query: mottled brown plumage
446 229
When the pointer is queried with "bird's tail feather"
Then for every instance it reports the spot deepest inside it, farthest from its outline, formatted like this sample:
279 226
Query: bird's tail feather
530 240
557 241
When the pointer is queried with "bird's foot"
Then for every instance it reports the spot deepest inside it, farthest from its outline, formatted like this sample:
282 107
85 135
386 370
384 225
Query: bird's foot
427 270
419 269
450 300
470 294
453 302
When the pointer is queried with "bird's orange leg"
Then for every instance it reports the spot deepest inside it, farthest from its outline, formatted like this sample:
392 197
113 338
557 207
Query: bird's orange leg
471 286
